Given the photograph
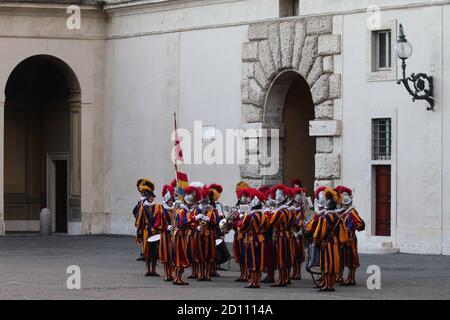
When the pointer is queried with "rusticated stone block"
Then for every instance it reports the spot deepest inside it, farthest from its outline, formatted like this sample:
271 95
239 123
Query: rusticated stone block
328 166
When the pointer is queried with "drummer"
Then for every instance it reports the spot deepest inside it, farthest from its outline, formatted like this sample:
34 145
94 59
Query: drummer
145 225
193 199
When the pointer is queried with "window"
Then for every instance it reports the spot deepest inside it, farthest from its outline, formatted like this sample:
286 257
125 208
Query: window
383 49
381 57
381 139
289 8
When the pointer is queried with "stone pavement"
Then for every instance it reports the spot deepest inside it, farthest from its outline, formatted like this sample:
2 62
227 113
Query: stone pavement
32 267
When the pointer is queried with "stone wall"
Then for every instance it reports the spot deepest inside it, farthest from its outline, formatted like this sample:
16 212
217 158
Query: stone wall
308 47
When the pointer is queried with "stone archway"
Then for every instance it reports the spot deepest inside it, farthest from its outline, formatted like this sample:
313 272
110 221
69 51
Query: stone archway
306 47
42 139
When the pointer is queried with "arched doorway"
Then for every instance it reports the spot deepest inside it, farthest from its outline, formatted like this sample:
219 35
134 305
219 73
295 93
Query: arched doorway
290 103
42 145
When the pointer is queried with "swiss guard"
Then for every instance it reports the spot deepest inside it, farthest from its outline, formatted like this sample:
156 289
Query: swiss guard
269 245
136 210
179 236
164 223
214 202
253 225
319 210
145 226
206 233
284 244
330 235
243 196
192 198
298 210
352 222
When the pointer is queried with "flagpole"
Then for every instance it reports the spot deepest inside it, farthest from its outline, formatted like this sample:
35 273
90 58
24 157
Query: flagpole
176 158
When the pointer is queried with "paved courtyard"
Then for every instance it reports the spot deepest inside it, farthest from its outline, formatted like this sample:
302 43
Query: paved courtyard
32 267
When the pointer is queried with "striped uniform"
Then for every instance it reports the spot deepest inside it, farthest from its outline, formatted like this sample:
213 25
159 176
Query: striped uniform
206 240
179 245
136 211
192 236
269 245
352 222
284 244
238 242
253 226
145 222
299 243
164 219
330 234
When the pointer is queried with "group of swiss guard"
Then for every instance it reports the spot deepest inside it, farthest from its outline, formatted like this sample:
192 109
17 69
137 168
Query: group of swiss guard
275 232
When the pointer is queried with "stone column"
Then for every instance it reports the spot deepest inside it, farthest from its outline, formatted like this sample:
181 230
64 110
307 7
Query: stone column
2 131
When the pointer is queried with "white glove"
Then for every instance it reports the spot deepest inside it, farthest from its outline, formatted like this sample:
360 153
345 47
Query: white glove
199 228
170 228
199 217
206 219
241 216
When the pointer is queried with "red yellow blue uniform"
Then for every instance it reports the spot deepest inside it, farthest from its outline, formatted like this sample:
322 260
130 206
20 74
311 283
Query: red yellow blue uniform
284 245
238 242
145 223
281 222
206 238
297 226
179 244
330 234
163 220
352 222
192 236
139 234
269 246
253 225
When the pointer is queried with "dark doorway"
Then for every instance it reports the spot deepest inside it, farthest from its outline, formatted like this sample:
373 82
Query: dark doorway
61 196
299 148
37 122
383 200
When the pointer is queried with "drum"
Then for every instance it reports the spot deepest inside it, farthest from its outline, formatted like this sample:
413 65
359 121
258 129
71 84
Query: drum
222 253
154 239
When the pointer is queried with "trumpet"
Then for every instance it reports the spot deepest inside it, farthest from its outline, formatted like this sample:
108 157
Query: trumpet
229 218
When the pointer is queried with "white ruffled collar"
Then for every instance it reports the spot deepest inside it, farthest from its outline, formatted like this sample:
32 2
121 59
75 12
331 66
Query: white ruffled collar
149 204
165 206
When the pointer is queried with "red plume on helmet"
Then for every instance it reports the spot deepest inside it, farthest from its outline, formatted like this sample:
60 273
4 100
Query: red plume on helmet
295 191
243 191
296 182
167 188
205 192
216 187
264 189
342 189
283 188
192 190
270 193
257 193
318 191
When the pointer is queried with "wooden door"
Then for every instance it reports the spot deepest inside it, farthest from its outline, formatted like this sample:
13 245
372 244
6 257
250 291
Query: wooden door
383 200
61 196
